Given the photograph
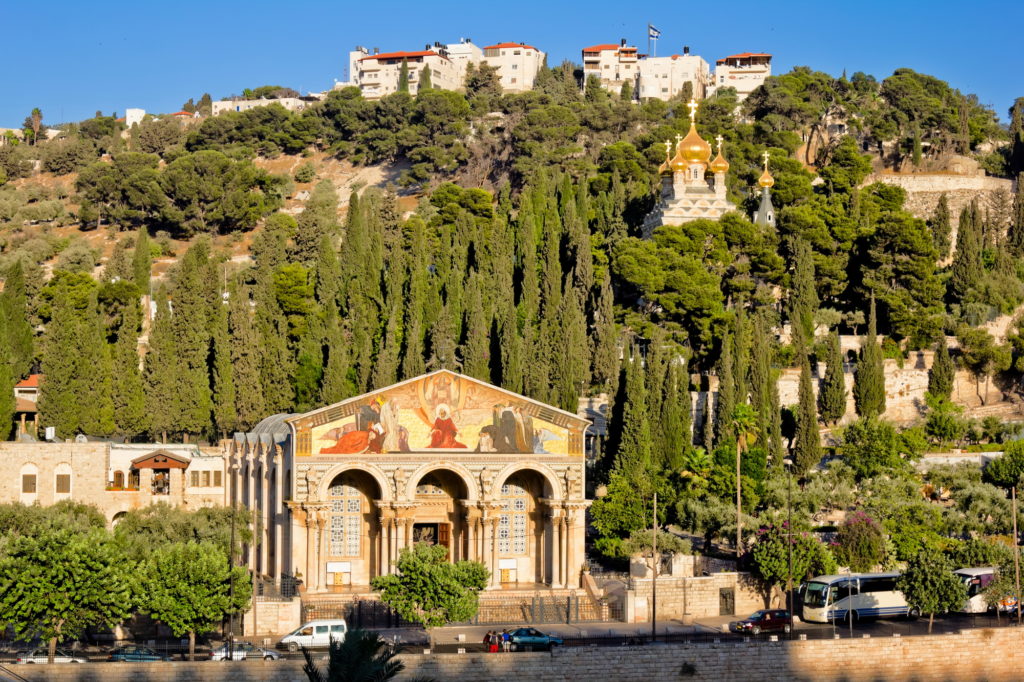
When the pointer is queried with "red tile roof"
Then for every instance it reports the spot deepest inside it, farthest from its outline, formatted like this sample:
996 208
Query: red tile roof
501 45
32 381
744 55
602 48
400 55
182 113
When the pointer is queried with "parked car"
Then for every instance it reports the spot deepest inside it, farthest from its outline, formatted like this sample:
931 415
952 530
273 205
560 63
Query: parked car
766 620
134 654
315 633
243 651
43 656
525 638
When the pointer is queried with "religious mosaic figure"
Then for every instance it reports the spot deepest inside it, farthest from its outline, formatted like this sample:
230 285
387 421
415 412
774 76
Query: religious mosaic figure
444 432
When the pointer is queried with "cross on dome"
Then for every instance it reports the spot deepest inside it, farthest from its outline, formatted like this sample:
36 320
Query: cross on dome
719 139
693 110
765 157
679 138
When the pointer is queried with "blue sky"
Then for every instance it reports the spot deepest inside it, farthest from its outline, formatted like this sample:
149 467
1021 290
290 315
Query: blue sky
74 58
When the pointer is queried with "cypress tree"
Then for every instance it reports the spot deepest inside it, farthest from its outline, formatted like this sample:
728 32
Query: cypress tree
192 331
417 290
633 458
327 288
319 219
512 360
941 374
775 450
59 404
675 419
339 378
572 371
941 228
425 80
442 344
741 354
94 380
17 328
803 301
869 378
403 77
761 376
119 267
604 339
1015 232
128 392
476 345
7 381
807 442
225 415
832 395
142 261
726 392
276 363
707 432
161 370
967 269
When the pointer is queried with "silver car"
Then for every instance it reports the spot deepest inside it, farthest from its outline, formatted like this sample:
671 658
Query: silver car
43 656
244 651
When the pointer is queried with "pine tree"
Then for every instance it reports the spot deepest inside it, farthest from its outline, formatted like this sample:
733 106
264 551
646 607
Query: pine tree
941 374
832 395
806 442
869 378
17 328
803 300
161 372
225 415
128 392
967 269
59 405
142 261
941 228
1015 233
726 392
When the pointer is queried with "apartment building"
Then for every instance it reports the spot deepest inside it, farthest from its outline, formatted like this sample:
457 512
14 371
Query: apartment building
517 64
745 72
377 74
665 77
614 64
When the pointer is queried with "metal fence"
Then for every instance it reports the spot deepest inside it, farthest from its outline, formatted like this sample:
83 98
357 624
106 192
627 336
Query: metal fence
266 589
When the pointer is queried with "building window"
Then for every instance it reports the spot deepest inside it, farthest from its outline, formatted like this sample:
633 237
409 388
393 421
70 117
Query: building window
346 518
195 479
429 486
512 80
28 484
218 479
118 479
516 52
512 523
206 479
63 484
515 66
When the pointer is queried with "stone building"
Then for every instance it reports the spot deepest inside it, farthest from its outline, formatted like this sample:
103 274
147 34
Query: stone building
664 77
613 64
745 72
686 193
377 74
442 458
517 64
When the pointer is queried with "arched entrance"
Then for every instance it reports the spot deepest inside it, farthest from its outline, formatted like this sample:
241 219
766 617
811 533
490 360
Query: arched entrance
438 517
520 538
351 531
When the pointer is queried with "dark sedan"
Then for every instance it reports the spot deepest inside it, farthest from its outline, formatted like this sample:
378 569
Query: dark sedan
133 654
767 620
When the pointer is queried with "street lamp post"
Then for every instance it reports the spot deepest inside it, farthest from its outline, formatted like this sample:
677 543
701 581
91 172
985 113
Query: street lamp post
789 529
654 580
231 572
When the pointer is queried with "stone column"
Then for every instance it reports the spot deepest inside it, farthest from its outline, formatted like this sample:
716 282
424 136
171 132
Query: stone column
566 576
471 538
495 572
485 554
279 497
310 574
556 548
321 559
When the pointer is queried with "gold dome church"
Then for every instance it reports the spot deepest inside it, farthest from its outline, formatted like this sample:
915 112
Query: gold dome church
686 193
442 458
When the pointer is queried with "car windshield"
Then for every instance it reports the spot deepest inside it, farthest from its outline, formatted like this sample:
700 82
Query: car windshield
756 615
814 595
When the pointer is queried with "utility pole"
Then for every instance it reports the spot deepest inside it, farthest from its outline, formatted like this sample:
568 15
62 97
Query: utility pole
1016 551
231 572
654 582
789 529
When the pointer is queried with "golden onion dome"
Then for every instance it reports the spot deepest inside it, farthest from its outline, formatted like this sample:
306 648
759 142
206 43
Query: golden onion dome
766 179
694 148
719 165
678 162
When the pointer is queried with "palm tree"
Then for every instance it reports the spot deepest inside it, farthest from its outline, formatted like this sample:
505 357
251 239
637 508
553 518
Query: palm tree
363 656
744 426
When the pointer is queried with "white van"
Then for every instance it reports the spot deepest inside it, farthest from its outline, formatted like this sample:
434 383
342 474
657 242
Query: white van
315 633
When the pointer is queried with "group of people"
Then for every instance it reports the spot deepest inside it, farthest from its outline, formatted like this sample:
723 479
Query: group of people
494 639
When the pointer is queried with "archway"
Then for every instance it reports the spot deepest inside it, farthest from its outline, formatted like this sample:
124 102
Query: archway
522 544
352 531
439 516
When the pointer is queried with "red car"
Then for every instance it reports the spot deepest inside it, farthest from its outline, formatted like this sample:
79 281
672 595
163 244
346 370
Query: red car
767 620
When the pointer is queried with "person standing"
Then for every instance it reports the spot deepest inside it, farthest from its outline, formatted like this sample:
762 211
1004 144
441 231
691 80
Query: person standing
506 641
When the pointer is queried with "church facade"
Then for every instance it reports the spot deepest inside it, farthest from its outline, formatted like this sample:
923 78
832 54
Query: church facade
442 458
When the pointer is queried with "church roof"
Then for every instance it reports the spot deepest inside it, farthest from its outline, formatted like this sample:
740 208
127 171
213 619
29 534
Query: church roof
568 416
160 459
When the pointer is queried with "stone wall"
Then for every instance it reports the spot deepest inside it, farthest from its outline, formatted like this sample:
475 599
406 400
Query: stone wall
982 654
682 598
273 617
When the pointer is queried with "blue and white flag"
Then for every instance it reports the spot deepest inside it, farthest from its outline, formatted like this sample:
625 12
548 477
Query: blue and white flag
652 32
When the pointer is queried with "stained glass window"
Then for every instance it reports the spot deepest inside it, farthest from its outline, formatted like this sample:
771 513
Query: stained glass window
512 524
346 518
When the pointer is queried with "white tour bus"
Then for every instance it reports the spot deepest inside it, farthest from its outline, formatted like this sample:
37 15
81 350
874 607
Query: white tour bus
975 580
830 598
